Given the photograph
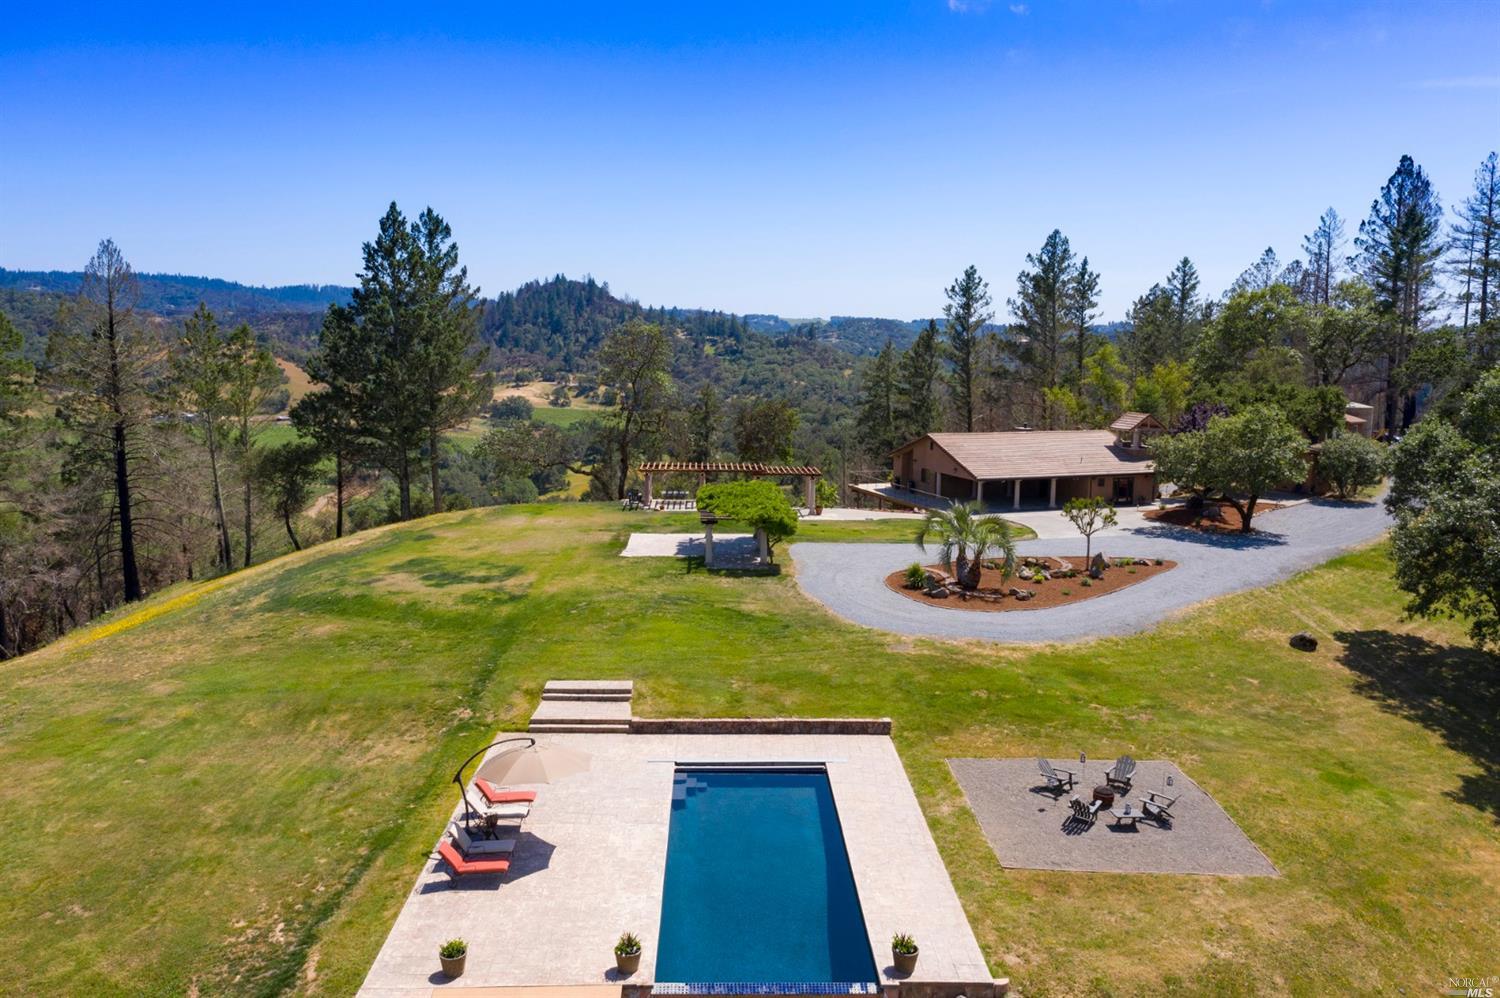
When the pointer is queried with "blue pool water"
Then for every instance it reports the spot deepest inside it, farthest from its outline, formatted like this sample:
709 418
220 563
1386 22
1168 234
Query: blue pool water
758 886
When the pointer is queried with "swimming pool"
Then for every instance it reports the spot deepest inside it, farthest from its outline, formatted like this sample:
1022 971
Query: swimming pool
758 887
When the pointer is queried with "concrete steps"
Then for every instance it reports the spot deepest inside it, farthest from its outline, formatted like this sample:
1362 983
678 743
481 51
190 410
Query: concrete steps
583 705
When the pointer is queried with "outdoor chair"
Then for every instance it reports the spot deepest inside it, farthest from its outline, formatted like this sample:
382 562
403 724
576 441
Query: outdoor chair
460 865
1120 773
471 845
1058 780
1085 813
1157 806
494 795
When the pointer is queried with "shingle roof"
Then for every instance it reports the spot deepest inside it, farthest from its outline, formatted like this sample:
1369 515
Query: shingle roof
1042 454
1131 420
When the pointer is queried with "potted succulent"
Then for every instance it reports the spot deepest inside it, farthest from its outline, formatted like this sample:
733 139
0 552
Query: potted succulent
452 955
904 953
628 954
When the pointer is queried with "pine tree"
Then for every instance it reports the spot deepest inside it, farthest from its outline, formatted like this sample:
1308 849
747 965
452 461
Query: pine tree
1399 246
917 409
1083 298
967 313
1476 240
706 425
251 377
877 404
1258 276
200 373
1323 246
1166 321
1041 310
453 390
327 418
103 363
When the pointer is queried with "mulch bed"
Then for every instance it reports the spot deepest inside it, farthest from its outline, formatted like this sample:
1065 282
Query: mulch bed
1052 592
1217 516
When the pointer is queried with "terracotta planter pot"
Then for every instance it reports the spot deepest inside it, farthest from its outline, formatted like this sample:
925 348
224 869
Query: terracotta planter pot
905 962
453 966
628 963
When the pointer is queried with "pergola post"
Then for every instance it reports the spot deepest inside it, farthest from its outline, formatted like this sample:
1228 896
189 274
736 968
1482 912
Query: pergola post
810 492
648 488
1052 495
708 544
1017 503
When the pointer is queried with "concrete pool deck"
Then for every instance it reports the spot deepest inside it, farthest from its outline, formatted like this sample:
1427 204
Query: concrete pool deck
591 859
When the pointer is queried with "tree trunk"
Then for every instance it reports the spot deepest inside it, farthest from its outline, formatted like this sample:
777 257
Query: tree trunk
128 569
226 549
249 522
286 517
1247 513
437 491
403 482
338 494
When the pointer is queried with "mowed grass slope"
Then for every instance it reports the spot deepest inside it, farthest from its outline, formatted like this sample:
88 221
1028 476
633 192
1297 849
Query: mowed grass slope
233 795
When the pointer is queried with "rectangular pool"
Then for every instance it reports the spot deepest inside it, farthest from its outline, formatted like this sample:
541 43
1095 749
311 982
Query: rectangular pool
758 887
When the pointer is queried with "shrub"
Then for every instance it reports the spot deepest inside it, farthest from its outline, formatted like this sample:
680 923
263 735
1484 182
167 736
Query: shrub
903 943
453 949
628 945
512 407
1085 582
1350 462
1067 592
828 495
916 576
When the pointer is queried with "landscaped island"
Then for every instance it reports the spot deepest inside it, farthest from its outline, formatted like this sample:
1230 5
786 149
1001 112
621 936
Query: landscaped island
1038 582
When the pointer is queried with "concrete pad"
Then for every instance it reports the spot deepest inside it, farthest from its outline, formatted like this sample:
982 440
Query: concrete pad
1029 827
590 861
582 710
682 545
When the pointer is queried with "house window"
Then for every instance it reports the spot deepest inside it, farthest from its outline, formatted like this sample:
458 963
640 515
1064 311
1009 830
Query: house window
929 445
924 474
1100 482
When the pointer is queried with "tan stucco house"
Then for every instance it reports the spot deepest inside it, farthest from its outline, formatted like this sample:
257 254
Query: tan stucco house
1031 467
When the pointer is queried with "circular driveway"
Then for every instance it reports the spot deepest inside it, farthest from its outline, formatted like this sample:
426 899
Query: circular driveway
850 578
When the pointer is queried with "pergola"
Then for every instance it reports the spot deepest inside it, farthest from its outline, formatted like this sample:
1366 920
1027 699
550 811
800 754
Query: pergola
806 472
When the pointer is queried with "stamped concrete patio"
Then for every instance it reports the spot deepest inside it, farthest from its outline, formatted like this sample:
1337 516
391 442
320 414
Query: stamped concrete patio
591 860
1029 827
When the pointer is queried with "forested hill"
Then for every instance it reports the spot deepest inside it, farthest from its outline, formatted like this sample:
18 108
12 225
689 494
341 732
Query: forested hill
176 294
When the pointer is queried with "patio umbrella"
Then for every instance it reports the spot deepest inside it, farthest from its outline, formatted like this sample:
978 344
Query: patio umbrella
533 764
524 761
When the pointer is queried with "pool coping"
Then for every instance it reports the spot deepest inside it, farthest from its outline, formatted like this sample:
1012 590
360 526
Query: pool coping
604 837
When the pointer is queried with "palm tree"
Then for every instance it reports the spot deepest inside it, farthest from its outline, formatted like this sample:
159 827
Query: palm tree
966 537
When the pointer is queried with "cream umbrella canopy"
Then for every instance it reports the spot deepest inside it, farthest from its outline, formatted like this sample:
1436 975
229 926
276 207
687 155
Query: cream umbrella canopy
523 762
533 764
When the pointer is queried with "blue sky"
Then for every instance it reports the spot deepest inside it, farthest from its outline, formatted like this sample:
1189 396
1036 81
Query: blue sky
802 158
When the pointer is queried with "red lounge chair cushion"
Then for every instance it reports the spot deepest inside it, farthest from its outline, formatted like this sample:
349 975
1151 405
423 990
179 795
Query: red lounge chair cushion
461 865
495 795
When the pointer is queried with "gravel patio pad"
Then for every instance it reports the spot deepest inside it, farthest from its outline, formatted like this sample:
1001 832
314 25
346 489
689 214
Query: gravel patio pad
1031 829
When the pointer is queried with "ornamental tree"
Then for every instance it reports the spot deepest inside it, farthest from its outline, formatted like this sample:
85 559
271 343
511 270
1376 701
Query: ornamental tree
757 503
1090 516
1350 462
1237 458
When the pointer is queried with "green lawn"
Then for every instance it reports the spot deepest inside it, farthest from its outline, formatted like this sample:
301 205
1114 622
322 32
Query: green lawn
231 788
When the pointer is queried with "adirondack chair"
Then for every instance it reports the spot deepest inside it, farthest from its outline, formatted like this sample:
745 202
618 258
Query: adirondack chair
1058 780
1085 813
1157 806
1120 773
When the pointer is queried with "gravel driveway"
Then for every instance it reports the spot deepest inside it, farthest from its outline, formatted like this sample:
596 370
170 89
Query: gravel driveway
850 578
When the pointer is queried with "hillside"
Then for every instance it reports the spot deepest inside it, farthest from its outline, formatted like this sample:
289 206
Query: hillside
230 787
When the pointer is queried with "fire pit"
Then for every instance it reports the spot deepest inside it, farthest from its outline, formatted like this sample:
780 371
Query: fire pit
1105 795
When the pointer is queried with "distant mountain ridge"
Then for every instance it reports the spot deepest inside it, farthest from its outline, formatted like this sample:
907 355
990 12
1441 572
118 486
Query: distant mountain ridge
175 294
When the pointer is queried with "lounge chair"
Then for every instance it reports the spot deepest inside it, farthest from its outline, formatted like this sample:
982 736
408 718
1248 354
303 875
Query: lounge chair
495 795
460 865
471 845
1120 773
1158 806
1085 813
1058 780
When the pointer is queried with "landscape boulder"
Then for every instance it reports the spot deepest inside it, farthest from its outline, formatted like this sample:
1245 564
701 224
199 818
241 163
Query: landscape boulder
1303 641
1097 566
